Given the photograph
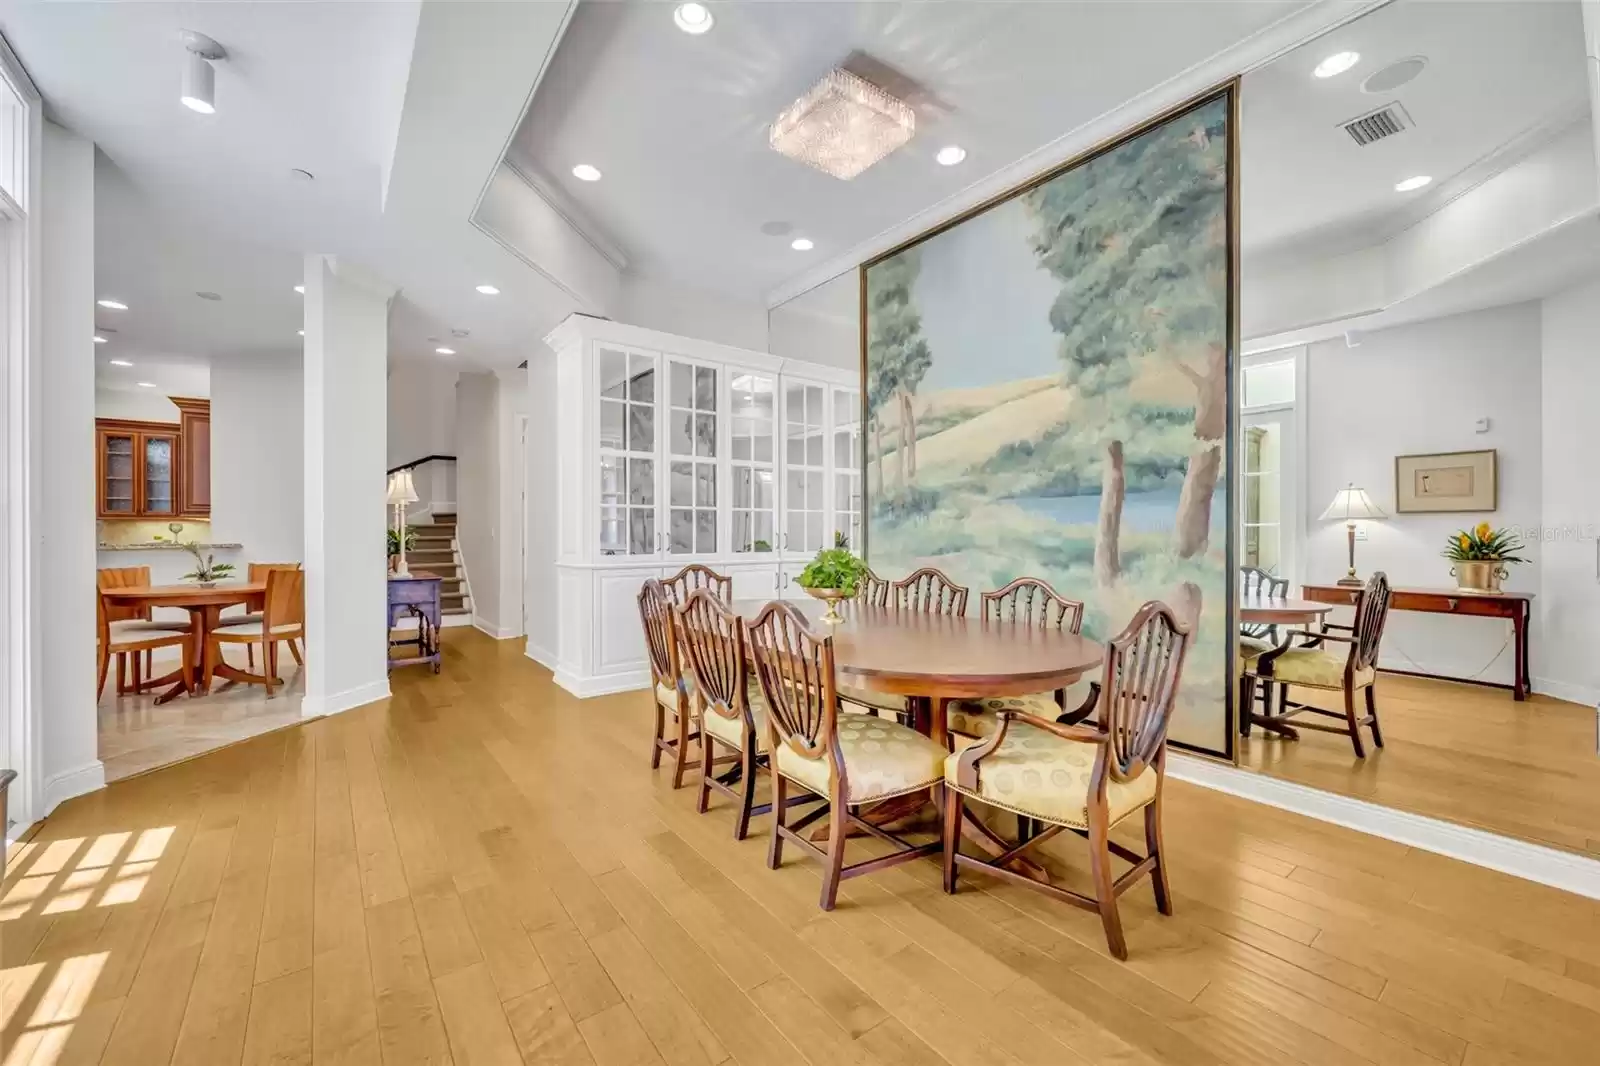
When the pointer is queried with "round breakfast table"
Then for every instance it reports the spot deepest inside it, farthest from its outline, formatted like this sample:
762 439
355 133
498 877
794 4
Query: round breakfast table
204 605
1255 609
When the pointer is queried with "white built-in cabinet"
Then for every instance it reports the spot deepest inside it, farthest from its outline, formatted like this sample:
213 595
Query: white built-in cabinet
671 451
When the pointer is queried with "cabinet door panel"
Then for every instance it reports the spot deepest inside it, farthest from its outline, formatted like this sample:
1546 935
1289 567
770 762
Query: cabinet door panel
846 467
118 478
804 464
629 446
693 391
752 429
160 454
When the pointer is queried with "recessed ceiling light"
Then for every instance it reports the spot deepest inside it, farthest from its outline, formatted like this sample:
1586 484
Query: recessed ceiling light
99 339
120 362
693 18
208 295
301 289
950 155
147 384
488 290
801 244
1337 63
112 305
445 351
1412 183
584 172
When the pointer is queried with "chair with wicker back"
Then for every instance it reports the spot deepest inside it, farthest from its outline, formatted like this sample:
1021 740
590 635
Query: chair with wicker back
1033 603
1312 665
125 631
842 760
930 591
1086 778
671 688
695 576
282 619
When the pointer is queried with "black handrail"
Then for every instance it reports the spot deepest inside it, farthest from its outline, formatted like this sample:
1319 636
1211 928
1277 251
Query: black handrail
418 462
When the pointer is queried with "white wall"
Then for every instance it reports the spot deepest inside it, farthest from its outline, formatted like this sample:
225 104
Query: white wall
540 459
1419 389
258 457
422 411
511 405
146 405
478 492
65 523
1564 661
691 313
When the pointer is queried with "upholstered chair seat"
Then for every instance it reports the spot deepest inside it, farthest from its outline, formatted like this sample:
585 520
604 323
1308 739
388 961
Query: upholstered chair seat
1040 775
1316 668
246 627
730 730
668 698
977 718
138 629
881 759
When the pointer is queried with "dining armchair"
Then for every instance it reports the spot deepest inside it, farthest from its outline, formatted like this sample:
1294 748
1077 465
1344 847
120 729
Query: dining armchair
282 621
1254 581
127 632
1033 603
872 590
1083 778
841 761
258 572
930 591
696 576
1316 664
671 689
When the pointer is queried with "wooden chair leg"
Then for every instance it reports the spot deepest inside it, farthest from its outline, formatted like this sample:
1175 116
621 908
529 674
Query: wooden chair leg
294 649
105 664
138 672
780 798
951 836
1247 702
1104 890
269 658
661 732
747 788
1152 844
682 746
1354 723
1372 712
122 673
250 656
704 799
838 833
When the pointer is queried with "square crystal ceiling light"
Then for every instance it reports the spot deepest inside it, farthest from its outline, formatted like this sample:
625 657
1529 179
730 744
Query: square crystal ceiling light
843 125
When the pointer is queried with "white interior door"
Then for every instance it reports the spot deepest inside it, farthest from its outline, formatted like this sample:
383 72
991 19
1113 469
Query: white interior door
1269 492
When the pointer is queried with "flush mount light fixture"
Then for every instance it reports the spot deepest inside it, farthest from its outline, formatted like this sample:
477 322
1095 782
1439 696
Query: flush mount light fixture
301 289
801 244
112 305
445 351
1412 183
585 172
120 362
199 77
693 18
842 125
488 290
1335 64
147 384
950 155
99 339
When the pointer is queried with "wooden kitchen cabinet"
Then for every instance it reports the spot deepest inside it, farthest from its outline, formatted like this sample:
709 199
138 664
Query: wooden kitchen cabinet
194 433
137 468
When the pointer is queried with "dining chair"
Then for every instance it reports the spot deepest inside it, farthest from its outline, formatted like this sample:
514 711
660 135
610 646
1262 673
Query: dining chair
872 590
282 620
258 572
1033 603
1311 664
138 636
711 639
696 576
1083 778
841 761
672 689
928 590
1257 637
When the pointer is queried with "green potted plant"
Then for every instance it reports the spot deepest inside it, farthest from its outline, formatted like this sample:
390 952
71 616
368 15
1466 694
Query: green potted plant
1480 555
207 571
394 543
834 575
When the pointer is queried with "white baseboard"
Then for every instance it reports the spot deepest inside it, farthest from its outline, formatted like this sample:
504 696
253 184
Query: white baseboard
351 698
1565 690
89 777
585 687
1565 870
497 632
539 655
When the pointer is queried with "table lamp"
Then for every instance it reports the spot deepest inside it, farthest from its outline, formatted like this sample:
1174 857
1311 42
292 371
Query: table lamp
1349 505
402 492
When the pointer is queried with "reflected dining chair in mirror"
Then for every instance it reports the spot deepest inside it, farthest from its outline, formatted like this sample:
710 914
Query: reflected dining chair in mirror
1083 778
671 688
1030 602
1345 662
929 591
1257 637
872 590
128 632
258 572
732 718
695 576
282 620
842 760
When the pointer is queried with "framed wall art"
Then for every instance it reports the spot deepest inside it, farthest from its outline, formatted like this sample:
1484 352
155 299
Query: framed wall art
1446 482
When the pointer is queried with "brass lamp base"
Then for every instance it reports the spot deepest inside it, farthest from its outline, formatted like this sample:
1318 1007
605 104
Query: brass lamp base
1351 580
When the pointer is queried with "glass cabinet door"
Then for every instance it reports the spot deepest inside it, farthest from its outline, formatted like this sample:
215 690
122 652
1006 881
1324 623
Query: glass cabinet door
847 467
116 466
159 455
804 466
627 453
691 458
752 460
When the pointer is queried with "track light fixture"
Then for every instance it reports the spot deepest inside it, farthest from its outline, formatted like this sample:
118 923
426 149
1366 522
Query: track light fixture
199 77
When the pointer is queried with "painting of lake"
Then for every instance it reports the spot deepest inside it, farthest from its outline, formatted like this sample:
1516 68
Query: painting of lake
1047 388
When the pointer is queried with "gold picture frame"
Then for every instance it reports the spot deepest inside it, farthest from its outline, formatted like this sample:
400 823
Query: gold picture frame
1447 482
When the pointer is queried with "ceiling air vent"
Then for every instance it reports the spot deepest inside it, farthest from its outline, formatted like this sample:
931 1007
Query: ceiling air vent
1376 125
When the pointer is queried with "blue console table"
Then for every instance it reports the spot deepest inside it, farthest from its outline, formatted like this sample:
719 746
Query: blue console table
417 593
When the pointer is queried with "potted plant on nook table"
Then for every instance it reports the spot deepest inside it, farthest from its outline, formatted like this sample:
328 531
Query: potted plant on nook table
833 575
207 571
1480 555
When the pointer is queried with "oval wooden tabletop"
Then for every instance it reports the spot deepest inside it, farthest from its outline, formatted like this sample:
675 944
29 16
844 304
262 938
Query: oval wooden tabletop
224 594
914 654
1278 610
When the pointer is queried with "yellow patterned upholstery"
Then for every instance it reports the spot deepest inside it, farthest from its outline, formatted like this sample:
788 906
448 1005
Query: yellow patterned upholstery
728 729
881 759
1249 648
977 718
878 701
1314 668
669 699
1043 776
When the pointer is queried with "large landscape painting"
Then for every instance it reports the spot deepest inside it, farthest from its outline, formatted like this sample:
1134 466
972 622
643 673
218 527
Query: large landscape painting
1047 393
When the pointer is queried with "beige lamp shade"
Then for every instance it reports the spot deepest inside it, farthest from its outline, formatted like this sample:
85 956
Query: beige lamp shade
1351 504
401 490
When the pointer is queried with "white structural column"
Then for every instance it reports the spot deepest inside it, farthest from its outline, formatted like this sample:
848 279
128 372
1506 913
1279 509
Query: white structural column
346 442
1591 51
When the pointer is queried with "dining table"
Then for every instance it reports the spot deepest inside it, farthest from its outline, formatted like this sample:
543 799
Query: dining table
1282 613
205 606
935 659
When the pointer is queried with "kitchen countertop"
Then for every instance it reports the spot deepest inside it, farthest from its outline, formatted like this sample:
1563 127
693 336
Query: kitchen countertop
163 545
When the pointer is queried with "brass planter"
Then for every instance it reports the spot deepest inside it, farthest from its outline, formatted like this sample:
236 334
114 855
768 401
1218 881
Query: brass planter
1479 575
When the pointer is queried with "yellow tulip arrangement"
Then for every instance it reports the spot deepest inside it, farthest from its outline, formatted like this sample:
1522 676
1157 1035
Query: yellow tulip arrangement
1484 543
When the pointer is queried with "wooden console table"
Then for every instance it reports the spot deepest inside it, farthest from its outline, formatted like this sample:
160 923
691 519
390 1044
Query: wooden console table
1515 606
417 593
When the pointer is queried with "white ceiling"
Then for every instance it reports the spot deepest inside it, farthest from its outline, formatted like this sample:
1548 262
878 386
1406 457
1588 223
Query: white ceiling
1500 78
677 123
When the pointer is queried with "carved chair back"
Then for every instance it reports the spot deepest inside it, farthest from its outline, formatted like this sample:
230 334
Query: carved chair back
794 667
695 576
1032 602
1372 612
872 590
711 638
928 591
1143 666
1254 581
660 634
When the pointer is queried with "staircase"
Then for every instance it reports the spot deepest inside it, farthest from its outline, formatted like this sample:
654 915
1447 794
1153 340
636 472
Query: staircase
434 550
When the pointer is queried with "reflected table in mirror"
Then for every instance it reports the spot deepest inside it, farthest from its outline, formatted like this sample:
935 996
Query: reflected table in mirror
1283 613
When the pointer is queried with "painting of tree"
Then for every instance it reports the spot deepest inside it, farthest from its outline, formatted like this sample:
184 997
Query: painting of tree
900 359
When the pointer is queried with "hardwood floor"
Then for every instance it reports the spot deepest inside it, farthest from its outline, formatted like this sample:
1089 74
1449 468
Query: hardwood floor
484 870
1463 752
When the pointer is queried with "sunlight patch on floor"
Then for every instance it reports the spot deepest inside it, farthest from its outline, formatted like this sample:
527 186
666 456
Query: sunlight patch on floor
43 1040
